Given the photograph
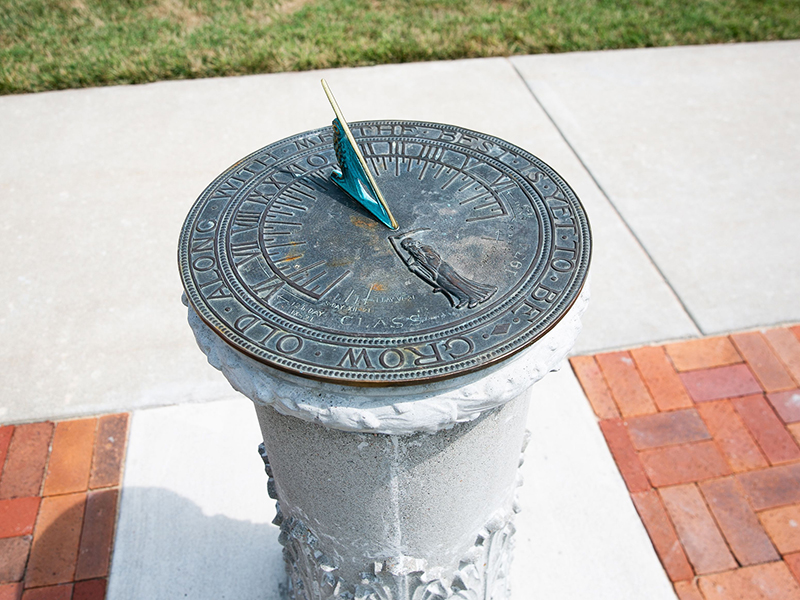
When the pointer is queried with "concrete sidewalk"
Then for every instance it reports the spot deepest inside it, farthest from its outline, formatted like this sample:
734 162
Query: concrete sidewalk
687 161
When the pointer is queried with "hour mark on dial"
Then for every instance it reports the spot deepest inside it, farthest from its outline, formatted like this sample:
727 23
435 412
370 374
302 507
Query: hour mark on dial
481 190
314 280
286 207
266 288
244 252
281 252
246 218
486 204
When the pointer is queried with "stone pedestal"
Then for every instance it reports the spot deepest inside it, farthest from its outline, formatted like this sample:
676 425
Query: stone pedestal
395 493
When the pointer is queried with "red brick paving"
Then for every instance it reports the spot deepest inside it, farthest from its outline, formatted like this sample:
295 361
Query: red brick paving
767 367
684 463
662 533
703 354
625 383
706 434
783 525
10 591
6 432
59 492
112 431
793 562
17 516
697 530
13 557
52 592
592 379
91 589
773 487
70 457
55 541
794 429
738 522
624 453
98 534
774 439
786 404
770 581
732 437
666 429
688 590
787 348
720 382
661 379
27 456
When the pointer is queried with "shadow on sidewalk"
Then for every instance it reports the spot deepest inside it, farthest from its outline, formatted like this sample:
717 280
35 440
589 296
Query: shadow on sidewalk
167 548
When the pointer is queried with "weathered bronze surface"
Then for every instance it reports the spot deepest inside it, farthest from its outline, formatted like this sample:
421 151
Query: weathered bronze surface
492 249
353 174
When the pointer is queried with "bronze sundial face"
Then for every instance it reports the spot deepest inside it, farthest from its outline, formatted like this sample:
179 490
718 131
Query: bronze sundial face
491 249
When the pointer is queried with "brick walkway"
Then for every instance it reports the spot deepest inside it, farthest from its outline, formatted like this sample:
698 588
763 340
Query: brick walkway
59 491
705 434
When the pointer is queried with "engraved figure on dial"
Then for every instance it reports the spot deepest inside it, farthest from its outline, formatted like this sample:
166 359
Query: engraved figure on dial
428 265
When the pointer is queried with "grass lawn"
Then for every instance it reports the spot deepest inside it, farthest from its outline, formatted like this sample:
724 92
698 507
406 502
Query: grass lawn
56 44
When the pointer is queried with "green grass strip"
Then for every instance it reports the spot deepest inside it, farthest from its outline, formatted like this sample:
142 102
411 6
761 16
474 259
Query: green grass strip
57 44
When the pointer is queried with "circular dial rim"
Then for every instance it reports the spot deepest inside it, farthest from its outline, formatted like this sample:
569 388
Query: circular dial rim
353 373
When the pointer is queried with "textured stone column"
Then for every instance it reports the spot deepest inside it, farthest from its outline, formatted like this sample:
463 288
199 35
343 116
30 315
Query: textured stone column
395 493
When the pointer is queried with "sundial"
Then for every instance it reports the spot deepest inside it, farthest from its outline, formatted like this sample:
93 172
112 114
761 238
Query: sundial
384 252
